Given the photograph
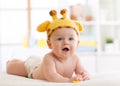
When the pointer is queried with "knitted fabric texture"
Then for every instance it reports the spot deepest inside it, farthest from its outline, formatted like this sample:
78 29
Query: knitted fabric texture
64 22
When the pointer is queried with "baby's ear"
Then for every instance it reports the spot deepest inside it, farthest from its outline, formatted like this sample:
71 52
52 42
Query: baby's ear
43 27
49 43
79 26
78 43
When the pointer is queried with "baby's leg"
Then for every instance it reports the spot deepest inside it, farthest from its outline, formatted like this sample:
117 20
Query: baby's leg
16 67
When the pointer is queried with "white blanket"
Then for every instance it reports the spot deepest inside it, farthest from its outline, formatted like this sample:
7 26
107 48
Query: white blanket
111 79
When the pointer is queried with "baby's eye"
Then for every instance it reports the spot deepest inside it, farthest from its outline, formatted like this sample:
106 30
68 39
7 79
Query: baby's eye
71 39
59 39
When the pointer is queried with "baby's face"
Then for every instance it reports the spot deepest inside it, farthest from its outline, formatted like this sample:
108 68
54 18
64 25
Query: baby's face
64 42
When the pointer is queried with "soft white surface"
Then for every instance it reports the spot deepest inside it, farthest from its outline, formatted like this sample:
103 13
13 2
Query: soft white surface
111 79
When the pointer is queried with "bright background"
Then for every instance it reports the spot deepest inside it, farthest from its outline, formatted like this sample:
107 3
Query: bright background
100 19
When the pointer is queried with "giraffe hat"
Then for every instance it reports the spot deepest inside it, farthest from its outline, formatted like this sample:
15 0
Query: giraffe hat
64 22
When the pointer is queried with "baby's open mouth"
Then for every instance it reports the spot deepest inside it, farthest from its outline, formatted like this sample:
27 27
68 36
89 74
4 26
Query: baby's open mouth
65 49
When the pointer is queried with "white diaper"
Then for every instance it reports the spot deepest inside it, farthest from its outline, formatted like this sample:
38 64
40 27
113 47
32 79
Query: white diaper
31 63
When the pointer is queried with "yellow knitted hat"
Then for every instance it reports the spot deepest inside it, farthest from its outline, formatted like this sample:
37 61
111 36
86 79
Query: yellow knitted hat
57 23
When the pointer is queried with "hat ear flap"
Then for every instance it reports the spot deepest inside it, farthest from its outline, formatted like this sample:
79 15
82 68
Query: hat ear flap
79 26
43 27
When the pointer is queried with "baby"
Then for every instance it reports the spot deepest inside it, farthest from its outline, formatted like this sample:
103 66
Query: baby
62 62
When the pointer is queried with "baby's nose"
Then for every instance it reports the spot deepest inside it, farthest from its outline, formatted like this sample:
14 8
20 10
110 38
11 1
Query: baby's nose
66 42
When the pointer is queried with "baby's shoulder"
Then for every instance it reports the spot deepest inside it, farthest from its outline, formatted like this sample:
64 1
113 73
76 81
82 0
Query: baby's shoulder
76 55
48 56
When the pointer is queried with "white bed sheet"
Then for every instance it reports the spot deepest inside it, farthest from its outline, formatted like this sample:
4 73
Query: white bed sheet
111 79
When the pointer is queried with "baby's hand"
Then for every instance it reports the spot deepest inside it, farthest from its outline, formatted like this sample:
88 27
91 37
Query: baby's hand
76 78
85 76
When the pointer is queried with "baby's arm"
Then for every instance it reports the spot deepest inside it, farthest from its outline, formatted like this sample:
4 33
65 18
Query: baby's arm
50 72
81 72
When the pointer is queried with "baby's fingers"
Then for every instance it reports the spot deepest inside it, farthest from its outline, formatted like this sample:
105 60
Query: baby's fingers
86 78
